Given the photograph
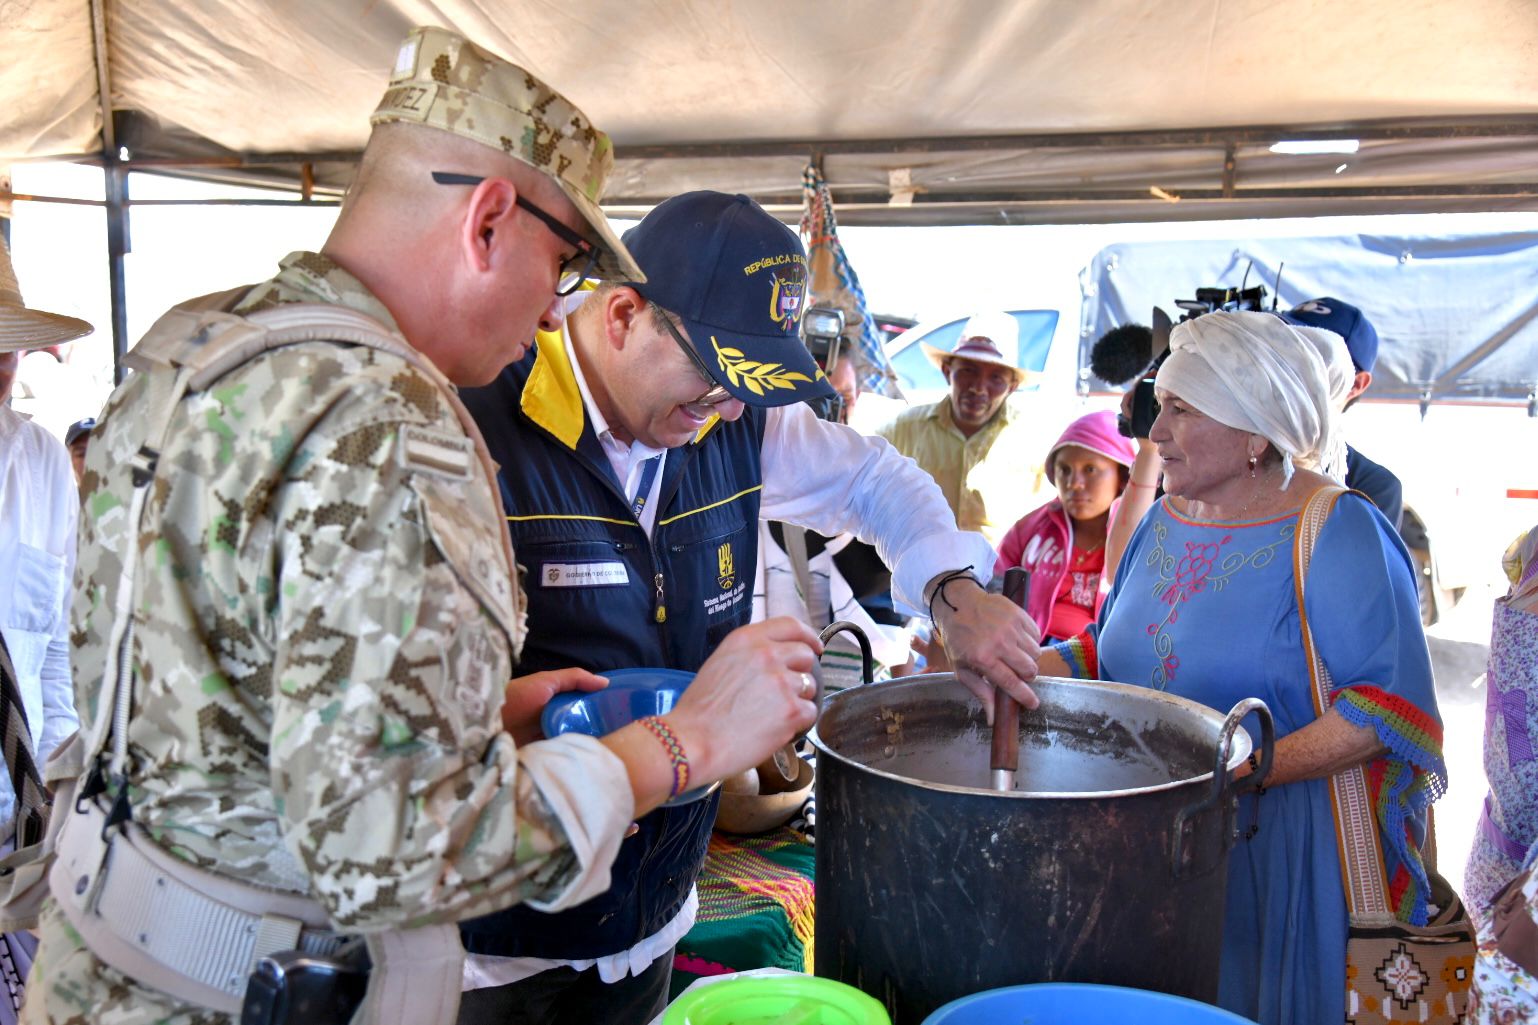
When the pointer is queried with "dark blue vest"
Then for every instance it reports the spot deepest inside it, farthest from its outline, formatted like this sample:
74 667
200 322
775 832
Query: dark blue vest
686 588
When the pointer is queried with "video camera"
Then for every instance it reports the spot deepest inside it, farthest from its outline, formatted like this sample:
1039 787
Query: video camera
822 331
1133 351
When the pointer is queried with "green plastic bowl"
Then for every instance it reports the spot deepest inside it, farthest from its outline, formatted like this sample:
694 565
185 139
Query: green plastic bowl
776 1000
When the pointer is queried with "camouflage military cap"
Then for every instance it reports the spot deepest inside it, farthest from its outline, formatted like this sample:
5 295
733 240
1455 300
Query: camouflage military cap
445 81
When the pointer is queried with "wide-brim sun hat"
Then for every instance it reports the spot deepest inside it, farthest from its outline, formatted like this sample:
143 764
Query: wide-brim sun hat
992 338
737 278
22 327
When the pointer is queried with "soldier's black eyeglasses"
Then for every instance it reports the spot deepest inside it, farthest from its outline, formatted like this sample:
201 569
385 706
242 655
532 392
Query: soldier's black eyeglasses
574 268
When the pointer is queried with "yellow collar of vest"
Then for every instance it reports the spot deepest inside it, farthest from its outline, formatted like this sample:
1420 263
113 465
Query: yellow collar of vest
552 399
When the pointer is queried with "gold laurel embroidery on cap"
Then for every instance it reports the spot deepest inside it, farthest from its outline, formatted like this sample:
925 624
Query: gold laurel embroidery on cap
441 68
752 374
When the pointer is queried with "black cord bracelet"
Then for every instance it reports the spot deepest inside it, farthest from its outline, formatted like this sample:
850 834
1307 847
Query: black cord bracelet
939 591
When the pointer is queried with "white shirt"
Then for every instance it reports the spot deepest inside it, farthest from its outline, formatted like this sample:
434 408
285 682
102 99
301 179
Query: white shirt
820 475
627 459
777 592
39 509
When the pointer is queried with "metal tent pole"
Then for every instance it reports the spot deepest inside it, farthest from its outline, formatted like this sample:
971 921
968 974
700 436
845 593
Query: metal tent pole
116 192
117 247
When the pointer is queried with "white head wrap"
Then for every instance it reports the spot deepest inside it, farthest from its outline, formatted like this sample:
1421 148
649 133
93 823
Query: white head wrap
1256 372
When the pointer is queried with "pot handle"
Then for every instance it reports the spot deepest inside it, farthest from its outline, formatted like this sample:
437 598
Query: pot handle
1184 859
867 660
1257 779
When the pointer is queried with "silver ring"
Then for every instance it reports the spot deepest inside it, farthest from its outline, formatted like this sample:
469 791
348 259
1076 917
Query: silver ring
808 686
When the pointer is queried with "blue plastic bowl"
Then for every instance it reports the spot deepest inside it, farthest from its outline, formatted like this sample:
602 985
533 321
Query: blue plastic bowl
1080 1003
631 694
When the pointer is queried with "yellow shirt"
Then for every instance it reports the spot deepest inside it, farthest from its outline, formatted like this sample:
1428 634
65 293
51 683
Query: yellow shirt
989 479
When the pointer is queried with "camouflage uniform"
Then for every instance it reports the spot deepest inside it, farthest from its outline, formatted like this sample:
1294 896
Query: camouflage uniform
320 663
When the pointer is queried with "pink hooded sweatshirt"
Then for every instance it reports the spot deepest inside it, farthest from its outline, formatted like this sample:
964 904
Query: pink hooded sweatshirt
1041 540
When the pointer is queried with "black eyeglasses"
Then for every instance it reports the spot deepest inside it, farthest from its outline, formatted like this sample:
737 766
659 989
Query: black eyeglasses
717 393
574 268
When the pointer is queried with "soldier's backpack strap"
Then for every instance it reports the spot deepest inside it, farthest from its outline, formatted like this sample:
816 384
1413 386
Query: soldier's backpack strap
416 972
205 339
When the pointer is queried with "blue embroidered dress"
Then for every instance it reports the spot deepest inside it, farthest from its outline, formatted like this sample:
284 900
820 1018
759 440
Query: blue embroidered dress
1208 611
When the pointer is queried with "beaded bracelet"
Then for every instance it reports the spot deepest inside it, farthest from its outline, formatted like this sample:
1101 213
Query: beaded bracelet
675 750
939 591
1254 768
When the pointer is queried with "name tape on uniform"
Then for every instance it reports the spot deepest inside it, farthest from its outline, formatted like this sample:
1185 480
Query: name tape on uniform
436 452
583 574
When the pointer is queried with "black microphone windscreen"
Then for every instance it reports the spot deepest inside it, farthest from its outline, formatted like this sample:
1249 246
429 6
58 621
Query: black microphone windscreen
1122 353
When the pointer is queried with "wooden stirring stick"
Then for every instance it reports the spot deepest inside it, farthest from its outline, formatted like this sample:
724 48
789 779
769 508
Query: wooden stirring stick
1006 712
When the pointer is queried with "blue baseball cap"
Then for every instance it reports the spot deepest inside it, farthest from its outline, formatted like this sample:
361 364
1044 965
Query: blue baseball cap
78 429
1345 320
738 279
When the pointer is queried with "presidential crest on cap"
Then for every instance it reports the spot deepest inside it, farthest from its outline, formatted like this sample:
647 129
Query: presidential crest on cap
444 81
785 299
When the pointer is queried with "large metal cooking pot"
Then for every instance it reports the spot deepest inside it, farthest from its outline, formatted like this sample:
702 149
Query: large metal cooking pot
1107 864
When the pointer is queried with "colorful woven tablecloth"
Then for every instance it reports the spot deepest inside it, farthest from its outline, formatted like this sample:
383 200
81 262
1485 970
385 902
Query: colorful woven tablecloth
756 908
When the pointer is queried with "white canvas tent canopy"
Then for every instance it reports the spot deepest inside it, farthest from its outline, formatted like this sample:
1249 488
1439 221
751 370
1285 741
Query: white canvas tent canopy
978 112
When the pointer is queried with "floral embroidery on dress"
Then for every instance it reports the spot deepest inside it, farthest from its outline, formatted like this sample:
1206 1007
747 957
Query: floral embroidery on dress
1186 575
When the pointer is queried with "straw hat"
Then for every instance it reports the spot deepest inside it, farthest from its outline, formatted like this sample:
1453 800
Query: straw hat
992 337
21 328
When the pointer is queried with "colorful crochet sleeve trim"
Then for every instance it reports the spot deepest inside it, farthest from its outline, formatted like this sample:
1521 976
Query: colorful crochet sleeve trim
1402 784
1079 652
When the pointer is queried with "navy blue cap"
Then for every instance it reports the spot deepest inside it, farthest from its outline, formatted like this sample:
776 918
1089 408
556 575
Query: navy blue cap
737 278
1345 320
78 428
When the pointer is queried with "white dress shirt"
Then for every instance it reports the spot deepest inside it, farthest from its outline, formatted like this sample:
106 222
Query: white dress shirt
39 508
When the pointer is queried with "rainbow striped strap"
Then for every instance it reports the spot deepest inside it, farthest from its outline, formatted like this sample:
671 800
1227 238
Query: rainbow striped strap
675 750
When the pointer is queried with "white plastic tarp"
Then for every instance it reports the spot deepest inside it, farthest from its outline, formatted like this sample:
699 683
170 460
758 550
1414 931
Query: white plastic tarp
243 78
